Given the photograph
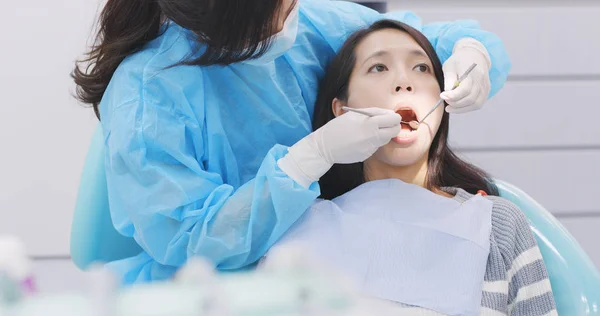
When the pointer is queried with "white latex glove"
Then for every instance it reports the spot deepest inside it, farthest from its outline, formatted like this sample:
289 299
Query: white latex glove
349 138
474 90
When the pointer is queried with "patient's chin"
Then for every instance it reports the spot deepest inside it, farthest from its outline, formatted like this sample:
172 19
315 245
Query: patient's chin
399 157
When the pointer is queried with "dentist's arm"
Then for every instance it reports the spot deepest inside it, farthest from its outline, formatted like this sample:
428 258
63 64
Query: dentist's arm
162 194
459 44
349 138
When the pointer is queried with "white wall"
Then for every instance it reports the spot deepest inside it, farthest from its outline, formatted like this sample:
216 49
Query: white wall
523 136
44 132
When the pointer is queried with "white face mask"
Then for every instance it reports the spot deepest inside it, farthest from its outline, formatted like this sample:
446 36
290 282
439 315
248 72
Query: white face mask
280 42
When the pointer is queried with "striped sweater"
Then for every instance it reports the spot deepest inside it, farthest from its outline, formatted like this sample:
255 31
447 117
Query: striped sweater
516 281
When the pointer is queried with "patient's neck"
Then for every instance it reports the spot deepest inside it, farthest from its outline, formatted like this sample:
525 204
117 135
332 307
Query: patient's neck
415 173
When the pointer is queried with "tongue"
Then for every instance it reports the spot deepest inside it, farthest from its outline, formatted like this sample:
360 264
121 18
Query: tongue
405 127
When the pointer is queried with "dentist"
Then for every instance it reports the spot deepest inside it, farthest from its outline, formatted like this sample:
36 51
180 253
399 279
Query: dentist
200 102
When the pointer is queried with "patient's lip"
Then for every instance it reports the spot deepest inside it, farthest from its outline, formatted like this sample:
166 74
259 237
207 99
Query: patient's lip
409 138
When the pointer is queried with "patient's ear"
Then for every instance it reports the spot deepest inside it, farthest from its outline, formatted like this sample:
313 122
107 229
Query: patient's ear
336 107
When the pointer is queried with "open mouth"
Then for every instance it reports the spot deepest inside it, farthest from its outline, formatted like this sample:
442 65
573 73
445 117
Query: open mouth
408 116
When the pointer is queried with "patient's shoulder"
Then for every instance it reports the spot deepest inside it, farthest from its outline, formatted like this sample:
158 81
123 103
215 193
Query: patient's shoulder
511 232
507 213
510 228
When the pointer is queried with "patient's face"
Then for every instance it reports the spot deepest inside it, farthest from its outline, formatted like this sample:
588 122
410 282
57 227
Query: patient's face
393 72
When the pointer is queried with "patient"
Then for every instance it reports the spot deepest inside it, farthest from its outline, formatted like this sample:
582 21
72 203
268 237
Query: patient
415 224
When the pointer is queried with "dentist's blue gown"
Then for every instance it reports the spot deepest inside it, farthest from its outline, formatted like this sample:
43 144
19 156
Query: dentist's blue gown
191 152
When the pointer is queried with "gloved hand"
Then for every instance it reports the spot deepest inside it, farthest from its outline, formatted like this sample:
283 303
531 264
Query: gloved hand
349 138
474 90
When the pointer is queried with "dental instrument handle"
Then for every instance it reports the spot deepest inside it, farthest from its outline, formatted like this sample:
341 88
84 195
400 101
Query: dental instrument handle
464 76
440 101
359 111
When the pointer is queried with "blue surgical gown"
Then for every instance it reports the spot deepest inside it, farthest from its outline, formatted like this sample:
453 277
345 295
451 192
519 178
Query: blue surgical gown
191 152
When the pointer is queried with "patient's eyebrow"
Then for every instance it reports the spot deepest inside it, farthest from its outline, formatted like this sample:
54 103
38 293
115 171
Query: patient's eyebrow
381 53
378 53
418 52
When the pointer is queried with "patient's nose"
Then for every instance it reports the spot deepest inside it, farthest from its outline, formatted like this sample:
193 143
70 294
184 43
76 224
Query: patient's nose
400 88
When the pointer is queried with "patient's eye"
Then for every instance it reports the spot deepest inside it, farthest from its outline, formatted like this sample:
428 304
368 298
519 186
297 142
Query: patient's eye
378 68
422 68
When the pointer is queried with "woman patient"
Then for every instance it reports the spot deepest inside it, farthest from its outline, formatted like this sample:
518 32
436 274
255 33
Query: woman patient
415 224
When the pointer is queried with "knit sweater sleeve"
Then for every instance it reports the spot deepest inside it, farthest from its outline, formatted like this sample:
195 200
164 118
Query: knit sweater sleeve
529 290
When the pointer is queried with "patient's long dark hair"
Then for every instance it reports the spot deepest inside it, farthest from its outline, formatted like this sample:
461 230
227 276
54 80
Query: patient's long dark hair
445 168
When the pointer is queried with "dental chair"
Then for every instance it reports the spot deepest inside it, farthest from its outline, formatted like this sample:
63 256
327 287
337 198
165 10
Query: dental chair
575 281
93 236
574 278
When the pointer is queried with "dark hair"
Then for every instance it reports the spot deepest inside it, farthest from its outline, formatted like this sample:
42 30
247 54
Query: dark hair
445 168
231 30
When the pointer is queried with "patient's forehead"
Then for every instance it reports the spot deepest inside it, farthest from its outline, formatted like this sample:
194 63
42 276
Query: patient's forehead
396 42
